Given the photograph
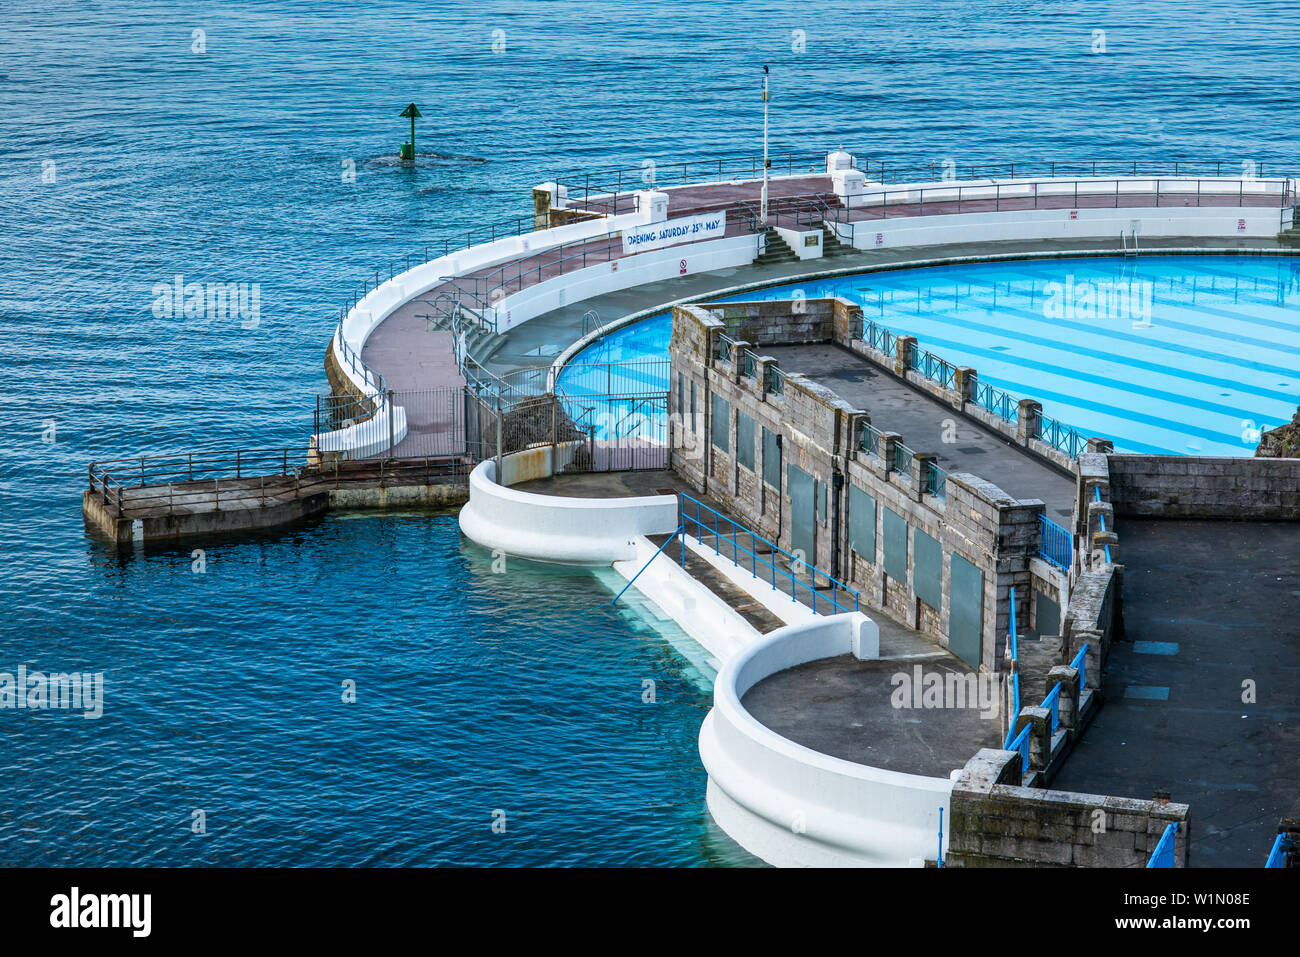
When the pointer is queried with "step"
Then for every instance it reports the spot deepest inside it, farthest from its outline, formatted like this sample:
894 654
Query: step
737 599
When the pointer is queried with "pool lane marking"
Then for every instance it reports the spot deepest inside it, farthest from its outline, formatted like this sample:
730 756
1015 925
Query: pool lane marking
1155 647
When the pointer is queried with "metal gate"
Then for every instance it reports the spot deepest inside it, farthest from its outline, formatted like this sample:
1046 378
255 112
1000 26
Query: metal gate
621 432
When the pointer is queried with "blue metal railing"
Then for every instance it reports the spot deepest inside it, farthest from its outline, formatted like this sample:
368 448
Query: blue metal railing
647 564
868 438
1102 519
1080 664
1281 848
1059 435
902 459
936 480
1055 543
1021 743
1163 855
1053 705
708 519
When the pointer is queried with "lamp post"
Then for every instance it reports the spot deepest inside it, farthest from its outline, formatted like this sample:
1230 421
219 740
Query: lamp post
763 201
408 149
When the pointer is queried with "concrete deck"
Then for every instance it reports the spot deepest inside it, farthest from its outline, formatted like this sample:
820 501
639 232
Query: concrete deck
541 339
896 640
897 407
842 707
1207 606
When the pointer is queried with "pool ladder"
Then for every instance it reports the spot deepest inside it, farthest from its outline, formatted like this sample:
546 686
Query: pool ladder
1124 238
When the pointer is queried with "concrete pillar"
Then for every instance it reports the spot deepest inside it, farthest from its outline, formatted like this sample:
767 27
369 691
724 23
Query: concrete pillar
1069 703
1104 446
1027 416
1100 541
906 349
887 442
1040 734
921 462
964 384
546 197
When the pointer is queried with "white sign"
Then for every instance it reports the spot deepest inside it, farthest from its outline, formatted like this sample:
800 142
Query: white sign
688 229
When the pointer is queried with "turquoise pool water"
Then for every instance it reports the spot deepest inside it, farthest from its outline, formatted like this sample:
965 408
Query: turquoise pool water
1188 355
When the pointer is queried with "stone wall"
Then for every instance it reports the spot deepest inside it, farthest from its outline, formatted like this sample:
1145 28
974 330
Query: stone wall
994 822
715 349
1180 486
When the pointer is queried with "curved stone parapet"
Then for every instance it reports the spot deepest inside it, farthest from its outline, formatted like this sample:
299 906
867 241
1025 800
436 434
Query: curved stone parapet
792 806
553 528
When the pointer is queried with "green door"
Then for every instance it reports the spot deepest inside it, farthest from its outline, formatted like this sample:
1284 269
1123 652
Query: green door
803 513
965 611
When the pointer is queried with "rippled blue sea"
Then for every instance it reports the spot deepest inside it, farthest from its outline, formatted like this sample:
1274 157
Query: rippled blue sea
148 140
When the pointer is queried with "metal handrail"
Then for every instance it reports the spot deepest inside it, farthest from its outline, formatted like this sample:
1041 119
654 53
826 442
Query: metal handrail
1277 856
1163 855
755 559
1053 705
1025 195
1055 544
647 564
1021 743
1080 664
936 479
1101 520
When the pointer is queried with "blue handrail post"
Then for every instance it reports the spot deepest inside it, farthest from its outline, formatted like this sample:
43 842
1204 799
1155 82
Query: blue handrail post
1163 855
939 859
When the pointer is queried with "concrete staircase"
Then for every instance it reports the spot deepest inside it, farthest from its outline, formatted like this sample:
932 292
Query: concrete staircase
740 601
1291 237
831 245
1036 659
776 250
480 342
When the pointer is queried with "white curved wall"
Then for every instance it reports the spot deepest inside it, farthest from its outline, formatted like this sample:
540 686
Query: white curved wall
792 806
654 266
553 528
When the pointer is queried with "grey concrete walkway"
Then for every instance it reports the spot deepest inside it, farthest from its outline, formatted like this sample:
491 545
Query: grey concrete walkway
897 641
897 407
846 708
539 340
1208 606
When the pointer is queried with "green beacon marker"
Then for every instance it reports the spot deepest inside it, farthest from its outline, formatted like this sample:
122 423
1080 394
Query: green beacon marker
408 149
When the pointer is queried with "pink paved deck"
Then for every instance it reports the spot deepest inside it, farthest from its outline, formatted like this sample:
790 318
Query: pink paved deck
411 357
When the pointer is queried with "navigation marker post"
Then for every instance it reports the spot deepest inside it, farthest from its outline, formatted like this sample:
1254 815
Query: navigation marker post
408 149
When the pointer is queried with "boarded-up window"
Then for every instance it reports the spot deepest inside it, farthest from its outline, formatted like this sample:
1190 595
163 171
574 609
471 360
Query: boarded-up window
894 535
966 611
772 458
862 523
744 440
721 426
927 569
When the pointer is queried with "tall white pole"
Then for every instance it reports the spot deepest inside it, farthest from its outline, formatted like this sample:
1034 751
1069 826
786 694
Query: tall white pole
763 219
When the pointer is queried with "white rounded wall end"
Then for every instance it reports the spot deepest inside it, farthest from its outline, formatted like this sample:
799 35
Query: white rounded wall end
866 638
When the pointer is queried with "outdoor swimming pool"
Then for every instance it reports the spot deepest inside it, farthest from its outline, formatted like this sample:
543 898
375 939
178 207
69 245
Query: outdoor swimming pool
1189 355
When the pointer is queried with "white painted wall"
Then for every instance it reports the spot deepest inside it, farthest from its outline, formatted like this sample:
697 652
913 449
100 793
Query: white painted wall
700 613
553 528
794 807
597 280
1107 223
795 239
